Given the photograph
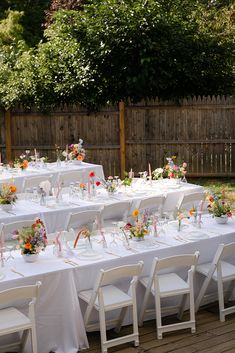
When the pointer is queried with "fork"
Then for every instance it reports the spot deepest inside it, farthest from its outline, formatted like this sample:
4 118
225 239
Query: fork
17 272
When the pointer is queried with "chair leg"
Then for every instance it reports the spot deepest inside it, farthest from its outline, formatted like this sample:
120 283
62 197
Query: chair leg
192 309
229 292
34 340
103 335
143 308
202 292
24 337
221 300
135 323
182 307
158 315
121 318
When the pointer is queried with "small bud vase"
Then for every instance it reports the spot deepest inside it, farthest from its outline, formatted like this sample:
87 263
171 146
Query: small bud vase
30 257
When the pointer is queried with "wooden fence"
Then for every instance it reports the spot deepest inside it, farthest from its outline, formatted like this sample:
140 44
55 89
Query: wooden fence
200 131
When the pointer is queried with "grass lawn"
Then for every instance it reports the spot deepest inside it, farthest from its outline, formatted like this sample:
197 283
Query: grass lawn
215 184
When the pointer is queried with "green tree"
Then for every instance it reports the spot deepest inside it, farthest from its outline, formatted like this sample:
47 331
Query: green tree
115 49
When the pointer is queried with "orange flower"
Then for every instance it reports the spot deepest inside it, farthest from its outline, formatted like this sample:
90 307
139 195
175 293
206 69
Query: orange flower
82 185
12 188
25 164
191 211
80 157
28 246
135 213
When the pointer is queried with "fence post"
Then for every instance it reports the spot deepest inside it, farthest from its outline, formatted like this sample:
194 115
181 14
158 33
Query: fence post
122 138
8 135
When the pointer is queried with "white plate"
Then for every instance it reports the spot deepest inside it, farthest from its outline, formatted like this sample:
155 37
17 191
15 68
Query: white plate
195 235
144 244
81 244
89 256
175 225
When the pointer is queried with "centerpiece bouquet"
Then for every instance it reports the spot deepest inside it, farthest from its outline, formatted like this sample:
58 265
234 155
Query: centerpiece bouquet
139 228
8 194
219 208
75 152
110 184
172 170
158 173
32 239
127 179
23 160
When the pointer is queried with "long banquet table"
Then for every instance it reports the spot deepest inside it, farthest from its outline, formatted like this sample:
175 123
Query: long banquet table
48 169
56 215
59 320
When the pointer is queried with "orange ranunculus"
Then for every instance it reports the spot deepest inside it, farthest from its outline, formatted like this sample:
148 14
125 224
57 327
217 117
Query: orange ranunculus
80 157
135 213
82 185
12 188
25 164
211 198
192 211
28 246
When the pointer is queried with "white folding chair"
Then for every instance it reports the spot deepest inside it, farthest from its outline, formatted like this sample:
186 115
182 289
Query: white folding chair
66 178
187 201
32 182
115 212
12 320
105 297
168 285
154 203
221 272
9 228
80 219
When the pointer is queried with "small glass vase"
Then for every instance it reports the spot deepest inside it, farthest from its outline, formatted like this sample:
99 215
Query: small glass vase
58 163
138 239
30 257
6 206
221 220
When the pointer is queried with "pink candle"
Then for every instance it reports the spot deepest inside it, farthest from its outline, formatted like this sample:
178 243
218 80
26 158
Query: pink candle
67 152
150 172
130 173
35 154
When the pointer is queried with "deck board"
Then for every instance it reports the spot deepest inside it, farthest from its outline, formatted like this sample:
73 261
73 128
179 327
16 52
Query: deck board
212 336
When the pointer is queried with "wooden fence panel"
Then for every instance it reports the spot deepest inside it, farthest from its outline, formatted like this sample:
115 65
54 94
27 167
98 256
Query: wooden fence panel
199 130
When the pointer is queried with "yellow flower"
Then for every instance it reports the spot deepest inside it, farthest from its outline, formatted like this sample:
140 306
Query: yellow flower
135 213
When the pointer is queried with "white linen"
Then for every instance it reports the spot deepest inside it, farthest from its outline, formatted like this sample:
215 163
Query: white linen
56 215
59 322
18 176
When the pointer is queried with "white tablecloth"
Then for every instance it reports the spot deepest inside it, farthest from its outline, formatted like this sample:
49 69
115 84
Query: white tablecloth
18 176
55 215
59 322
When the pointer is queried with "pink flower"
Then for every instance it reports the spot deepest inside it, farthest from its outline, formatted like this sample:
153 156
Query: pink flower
184 165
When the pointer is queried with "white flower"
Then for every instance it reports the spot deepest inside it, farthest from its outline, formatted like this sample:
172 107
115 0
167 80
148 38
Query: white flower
158 171
64 153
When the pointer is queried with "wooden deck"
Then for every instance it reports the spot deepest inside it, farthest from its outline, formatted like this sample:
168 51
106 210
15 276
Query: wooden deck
212 336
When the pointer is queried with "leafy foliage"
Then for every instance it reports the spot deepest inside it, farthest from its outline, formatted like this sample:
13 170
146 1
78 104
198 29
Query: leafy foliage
115 49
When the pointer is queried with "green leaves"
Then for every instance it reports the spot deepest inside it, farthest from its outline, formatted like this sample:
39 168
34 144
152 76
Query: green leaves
110 50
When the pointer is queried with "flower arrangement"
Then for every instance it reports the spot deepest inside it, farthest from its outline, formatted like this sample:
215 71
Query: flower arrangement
127 179
86 233
158 173
32 239
172 170
23 160
180 216
139 228
8 194
218 207
75 151
110 184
